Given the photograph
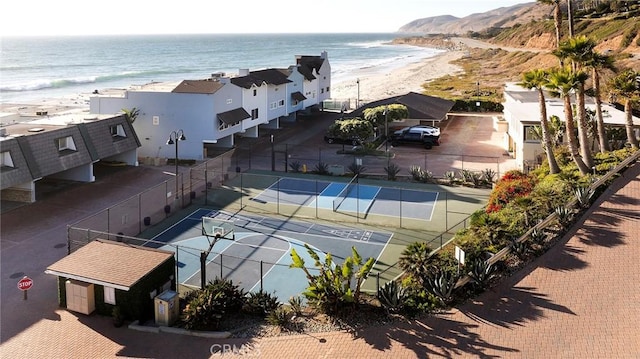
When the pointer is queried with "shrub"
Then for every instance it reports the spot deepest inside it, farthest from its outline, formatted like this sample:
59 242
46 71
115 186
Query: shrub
481 272
520 249
450 177
296 305
392 171
356 169
206 307
260 303
415 259
489 175
279 316
295 166
512 185
322 168
331 289
441 284
565 216
392 296
584 195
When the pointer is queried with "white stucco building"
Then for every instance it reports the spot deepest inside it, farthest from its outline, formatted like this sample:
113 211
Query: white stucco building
211 111
522 113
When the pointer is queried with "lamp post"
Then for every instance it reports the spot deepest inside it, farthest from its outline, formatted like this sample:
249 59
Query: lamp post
386 129
273 156
358 98
174 137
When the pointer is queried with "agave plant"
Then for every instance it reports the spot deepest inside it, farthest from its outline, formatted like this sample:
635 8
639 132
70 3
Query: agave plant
584 195
450 176
392 171
295 166
481 272
520 249
489 175
565 215
441 284
392 296
322 168
537 236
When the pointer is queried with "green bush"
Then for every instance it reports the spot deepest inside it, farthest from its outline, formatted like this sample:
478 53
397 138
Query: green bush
296 305
392 171
280 317
415 259
335 286
322 168
207 307
392 296
260 303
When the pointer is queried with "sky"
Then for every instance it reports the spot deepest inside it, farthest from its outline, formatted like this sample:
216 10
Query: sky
119 17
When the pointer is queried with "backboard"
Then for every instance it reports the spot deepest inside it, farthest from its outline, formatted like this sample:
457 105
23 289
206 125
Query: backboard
218 228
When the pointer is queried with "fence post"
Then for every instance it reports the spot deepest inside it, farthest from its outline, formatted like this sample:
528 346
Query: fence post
203 269
377 284
261 276
220 266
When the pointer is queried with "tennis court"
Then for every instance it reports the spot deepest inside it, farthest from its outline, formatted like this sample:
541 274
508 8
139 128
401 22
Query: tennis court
351 197
258 255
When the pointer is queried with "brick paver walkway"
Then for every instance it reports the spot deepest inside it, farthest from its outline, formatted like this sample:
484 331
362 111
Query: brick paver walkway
579 300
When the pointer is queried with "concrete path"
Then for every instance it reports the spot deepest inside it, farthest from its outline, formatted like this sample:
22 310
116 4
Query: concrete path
579 300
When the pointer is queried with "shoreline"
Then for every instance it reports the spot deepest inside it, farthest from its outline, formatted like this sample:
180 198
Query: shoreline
374 84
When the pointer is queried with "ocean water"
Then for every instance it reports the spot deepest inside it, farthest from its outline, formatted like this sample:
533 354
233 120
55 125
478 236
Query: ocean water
35 68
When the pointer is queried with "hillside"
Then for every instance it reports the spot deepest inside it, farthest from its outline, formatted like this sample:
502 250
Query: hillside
501 17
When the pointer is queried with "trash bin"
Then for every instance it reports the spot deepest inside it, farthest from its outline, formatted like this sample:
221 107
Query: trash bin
167 308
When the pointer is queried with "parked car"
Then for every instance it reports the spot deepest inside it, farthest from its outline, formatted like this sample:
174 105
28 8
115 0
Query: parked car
426 136
346 141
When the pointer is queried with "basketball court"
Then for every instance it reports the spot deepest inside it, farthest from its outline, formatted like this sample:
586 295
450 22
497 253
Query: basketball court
254 251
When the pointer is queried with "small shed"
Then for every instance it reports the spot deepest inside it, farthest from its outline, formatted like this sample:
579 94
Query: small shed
104 274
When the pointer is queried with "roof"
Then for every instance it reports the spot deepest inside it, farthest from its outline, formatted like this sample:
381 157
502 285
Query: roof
109 263
309 64
257 78
421 107
198 86
298 96
34 151
233 116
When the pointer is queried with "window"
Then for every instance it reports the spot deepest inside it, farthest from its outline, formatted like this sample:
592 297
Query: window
117 131
65 144
110 295
531 134
255 92
322 90
229 101
254 113
280 103
273 105
327 89
5 160
224 126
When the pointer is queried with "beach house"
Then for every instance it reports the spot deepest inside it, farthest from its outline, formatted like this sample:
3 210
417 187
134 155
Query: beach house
522 115
211 112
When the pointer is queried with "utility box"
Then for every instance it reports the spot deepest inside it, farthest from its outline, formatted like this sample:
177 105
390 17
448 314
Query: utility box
336 170
80 296
167 308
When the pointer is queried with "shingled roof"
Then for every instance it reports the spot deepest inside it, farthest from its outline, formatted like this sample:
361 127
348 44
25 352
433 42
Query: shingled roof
308 64
198 86
257 78
109 263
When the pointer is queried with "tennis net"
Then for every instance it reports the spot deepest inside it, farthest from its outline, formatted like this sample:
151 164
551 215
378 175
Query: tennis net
344 193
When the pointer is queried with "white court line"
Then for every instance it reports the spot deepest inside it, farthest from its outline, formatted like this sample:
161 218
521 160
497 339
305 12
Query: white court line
377 259
274 264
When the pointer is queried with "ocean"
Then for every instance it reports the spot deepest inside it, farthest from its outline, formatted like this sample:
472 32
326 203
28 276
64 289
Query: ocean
36 68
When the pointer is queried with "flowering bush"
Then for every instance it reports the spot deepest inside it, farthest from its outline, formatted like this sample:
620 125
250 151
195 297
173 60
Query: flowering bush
513 184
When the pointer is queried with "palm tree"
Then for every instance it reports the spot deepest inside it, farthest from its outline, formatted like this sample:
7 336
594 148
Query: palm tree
627 85
562 82
557 17
537 79
580 50
597 62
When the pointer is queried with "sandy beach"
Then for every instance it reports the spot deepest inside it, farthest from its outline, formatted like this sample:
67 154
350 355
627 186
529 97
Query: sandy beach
375 85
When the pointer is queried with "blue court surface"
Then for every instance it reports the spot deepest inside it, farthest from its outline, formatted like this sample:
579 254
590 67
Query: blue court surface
351 197
260 251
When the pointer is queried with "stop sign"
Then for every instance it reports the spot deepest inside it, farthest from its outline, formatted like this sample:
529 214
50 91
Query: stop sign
25 283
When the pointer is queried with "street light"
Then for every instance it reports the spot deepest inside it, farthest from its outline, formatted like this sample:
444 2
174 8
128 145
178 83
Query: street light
174 137
386 129
358 98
